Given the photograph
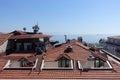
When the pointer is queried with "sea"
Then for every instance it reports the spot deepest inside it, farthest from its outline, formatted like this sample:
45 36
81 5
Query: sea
88 38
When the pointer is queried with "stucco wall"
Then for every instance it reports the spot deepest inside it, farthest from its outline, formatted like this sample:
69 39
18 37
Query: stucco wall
3 46
51 64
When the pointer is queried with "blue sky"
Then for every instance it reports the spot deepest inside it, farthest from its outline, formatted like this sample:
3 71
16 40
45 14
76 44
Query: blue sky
61 16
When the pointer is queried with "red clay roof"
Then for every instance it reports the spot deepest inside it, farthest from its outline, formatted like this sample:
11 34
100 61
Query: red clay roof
100 55
20 32
29 36
79 53
63 55
18 56
2 63
63 74
26 58
4 37
21 35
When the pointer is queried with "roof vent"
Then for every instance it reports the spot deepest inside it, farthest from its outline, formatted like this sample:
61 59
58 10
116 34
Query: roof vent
91 57
68 49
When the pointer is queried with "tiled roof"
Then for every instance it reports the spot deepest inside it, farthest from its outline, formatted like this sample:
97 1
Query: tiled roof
63 74
79 53
18 56
20 32
2 63
26 58
29 36
4 37
21 35
100 55
21 54
63 55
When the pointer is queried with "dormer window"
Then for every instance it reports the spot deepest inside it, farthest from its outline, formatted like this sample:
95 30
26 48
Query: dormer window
98 63
63 62
21 64
68 49
94 63
25 63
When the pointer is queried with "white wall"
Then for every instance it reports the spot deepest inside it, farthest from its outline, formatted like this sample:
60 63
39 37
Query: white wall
51 64
3 46
41 39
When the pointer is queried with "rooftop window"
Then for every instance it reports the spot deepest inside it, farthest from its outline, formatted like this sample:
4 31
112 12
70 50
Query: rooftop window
94 64
57 65
21 64
62 63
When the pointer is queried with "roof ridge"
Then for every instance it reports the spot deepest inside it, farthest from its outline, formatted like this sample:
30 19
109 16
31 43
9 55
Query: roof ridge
6 38
82 46
100 56
57 50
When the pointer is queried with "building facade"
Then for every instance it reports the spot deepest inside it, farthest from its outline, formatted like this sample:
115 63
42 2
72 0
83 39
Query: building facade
21 41
112 45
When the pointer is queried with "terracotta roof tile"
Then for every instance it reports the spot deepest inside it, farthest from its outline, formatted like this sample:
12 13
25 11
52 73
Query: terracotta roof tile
100 55
18 31
28 36
4 37
63 55
79 53
2 62
62 74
